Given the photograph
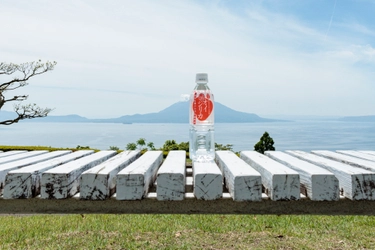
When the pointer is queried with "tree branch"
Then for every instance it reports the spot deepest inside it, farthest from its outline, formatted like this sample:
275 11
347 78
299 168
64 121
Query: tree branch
29 111
25 71
7 69
17 98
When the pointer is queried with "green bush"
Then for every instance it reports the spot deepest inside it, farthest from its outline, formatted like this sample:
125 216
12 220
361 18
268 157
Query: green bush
265 144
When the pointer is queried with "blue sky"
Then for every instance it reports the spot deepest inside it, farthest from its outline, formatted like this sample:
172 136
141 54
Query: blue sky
114 58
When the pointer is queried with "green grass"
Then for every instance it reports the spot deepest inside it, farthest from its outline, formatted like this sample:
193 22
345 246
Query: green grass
186 232
29 148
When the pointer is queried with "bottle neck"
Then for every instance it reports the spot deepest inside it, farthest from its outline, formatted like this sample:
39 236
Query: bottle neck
202 86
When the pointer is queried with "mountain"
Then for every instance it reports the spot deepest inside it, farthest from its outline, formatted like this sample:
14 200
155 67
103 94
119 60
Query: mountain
303 117
179 113
7 115
63 118
176 113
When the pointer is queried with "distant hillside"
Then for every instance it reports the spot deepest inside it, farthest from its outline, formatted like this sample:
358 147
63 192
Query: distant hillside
179 113
176 113
7 115
64 118
367 118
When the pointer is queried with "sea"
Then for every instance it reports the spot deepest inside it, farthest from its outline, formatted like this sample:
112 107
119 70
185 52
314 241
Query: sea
303 135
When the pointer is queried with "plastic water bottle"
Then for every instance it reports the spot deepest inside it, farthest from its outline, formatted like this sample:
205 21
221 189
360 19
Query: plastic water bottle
202 144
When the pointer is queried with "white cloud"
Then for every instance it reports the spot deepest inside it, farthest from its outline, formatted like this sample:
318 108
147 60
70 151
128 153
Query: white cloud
355 53
184 97
138 56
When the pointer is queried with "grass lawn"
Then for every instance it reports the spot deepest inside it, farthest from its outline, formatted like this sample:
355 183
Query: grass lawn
186 232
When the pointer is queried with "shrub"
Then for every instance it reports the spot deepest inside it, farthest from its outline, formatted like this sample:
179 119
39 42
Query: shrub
265 144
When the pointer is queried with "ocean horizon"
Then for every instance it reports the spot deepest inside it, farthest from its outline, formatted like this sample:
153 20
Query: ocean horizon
297 135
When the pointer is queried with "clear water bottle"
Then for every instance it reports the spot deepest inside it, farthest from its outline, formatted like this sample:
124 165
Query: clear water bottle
202 144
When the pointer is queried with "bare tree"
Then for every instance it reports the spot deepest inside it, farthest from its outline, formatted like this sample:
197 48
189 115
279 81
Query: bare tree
22 73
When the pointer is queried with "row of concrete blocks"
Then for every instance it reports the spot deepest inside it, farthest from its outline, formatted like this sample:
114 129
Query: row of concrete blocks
320 175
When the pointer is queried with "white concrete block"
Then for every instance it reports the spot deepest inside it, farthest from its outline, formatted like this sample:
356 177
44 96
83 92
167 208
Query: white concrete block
171 177
243 182
319 183
20 156
357 154
39 157
208 181
63 181
9 153
99 183
357 183
347 159
281 182
368 152
189 171
25 182
133 182
189 182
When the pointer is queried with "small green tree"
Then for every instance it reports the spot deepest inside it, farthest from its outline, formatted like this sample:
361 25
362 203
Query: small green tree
223 147
170 145
173 145
151 146
141 145
114 148
141 142
184 146
131 146
265 144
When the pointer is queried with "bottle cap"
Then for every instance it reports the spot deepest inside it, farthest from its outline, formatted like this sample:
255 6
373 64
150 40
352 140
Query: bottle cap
201 78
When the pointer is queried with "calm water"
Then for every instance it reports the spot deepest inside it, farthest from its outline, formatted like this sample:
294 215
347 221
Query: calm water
301 135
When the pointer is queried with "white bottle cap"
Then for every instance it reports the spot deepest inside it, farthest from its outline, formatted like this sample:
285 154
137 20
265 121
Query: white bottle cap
201 78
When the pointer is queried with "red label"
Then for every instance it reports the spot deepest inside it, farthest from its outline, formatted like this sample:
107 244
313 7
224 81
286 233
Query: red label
202 107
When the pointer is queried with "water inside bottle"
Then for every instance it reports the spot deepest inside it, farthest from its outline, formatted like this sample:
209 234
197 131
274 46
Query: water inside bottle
202 148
